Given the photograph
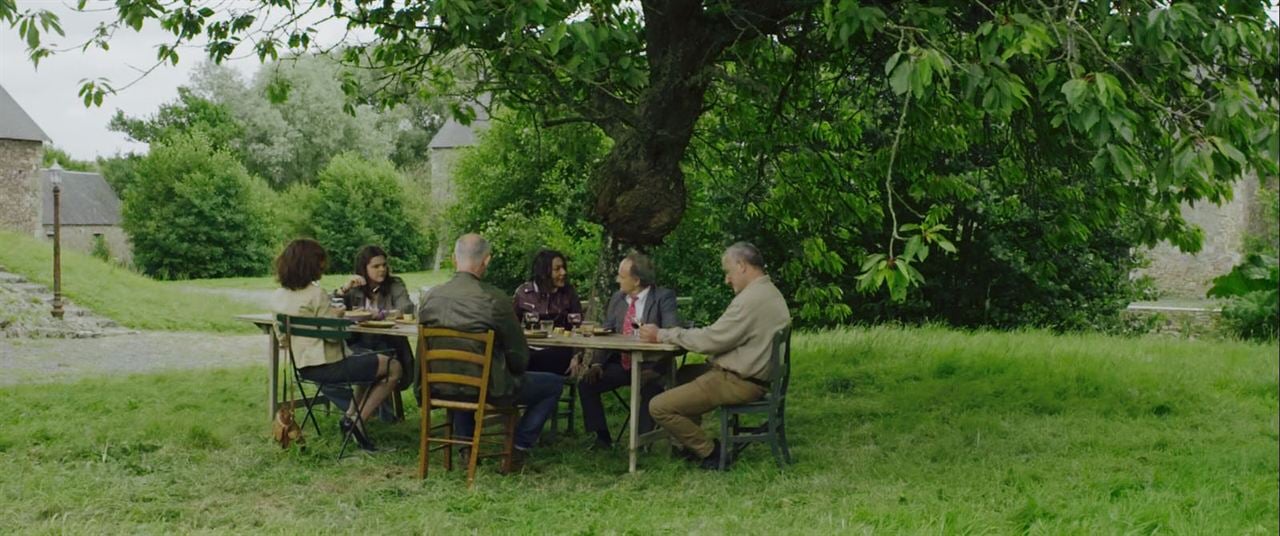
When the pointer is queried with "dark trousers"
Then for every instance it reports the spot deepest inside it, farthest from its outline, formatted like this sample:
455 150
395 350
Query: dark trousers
614 377
400 351
553 360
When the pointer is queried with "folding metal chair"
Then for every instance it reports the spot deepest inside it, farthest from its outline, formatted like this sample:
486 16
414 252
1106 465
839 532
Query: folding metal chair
328 330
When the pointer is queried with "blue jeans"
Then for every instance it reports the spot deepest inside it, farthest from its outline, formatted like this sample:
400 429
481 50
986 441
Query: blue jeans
539 392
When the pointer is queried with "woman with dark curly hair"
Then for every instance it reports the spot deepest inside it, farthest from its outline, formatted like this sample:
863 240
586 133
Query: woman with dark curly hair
298 269
549 295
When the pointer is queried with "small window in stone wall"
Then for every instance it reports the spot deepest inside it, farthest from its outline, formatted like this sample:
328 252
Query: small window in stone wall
100 249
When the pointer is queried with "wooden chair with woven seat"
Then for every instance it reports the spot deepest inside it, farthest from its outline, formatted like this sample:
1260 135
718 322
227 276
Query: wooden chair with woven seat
481 406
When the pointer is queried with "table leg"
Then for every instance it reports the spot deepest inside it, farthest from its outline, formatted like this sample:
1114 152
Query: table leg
635 408
273 376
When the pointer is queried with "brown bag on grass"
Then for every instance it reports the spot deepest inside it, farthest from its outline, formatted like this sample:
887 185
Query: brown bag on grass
284 428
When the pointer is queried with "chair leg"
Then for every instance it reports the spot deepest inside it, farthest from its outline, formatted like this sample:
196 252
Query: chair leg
726 440
358 421
626 410
475 447
308 403
424 442
397 403
774 439
573 400
448 446
509 442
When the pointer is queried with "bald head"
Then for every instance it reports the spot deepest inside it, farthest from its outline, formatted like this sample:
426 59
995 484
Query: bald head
471 254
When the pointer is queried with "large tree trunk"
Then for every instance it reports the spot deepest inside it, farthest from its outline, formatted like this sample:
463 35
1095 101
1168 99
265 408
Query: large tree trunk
639 189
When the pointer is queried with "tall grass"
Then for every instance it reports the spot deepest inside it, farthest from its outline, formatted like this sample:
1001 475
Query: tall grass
895 431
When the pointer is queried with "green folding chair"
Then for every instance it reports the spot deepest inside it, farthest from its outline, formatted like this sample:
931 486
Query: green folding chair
325 329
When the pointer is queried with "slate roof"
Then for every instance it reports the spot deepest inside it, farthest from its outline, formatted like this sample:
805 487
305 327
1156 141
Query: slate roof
87 199
454 134
15 124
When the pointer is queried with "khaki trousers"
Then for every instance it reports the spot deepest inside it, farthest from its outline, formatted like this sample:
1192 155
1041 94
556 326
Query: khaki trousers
679 410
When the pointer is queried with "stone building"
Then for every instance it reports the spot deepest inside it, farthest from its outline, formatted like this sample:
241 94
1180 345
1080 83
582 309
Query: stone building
90 213
1184 276
21 146
445 148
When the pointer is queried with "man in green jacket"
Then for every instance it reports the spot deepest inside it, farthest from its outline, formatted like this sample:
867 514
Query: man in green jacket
467 303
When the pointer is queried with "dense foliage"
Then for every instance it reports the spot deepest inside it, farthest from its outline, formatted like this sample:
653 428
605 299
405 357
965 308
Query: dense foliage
1253 292
193 213
859 141
358 202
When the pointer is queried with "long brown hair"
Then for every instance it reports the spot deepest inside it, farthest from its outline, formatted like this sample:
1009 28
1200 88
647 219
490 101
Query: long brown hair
363 257
301 263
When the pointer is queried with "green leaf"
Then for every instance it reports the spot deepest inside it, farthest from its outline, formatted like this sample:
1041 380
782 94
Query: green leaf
901 79
1074 90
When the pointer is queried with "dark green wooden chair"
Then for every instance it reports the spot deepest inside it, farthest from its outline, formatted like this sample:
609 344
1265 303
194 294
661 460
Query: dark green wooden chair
734 436
325 329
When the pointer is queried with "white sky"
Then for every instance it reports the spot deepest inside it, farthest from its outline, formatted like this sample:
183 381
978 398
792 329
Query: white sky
48 94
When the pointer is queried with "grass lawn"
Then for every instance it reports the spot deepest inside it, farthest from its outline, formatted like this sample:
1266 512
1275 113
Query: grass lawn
139 302
895 431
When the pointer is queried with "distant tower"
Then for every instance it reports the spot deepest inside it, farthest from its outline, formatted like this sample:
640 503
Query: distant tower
445 148
21 147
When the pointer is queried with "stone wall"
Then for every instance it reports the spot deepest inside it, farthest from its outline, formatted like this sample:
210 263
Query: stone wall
19 190
80 238
1181 275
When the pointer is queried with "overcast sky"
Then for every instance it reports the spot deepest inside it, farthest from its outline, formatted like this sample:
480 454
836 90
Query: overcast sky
48 93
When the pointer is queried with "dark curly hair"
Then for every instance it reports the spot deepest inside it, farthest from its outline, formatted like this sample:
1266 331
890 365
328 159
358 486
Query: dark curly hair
541 272
301 263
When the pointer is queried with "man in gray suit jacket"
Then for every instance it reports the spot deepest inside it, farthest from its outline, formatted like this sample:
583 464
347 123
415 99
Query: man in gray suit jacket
638 301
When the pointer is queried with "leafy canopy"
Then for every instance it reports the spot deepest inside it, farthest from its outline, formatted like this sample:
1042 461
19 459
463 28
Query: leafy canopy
1121 110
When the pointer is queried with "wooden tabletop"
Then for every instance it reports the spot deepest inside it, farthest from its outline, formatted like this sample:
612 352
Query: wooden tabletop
598 342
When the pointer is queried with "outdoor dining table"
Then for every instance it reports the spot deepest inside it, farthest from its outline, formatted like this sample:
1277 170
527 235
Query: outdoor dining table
640 352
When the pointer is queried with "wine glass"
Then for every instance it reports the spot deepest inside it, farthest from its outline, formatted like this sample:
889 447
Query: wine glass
575 321
530 320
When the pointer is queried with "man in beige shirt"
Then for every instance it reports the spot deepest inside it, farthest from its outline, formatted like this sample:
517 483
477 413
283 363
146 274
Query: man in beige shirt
739 345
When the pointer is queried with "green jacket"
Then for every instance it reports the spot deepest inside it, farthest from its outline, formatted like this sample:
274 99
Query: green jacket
466 303
396 297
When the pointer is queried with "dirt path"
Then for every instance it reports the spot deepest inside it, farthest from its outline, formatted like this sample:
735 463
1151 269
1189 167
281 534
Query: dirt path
60 360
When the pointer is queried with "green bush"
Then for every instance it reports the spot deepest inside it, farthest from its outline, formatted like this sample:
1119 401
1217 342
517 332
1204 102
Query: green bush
516 237
1253 291
192 213
358 202
100 250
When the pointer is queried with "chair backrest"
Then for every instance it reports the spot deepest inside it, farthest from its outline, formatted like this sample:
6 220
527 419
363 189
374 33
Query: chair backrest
313 327
428 356
781 357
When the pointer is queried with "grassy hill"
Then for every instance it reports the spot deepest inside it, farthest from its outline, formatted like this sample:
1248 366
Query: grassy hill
895 431
139 302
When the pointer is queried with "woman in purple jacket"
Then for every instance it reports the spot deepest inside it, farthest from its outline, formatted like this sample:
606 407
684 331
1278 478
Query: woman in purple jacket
549 295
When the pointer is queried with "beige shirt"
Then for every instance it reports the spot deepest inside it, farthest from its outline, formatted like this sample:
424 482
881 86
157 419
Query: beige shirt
741 339
310 301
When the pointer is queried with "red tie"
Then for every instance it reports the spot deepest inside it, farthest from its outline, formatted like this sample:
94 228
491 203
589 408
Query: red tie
628 330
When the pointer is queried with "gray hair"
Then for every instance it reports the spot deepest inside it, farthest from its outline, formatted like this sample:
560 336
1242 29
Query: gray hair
470 249
642 268
745 252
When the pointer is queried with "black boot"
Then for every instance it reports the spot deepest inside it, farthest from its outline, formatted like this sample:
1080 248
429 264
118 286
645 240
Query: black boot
362 439
712 461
